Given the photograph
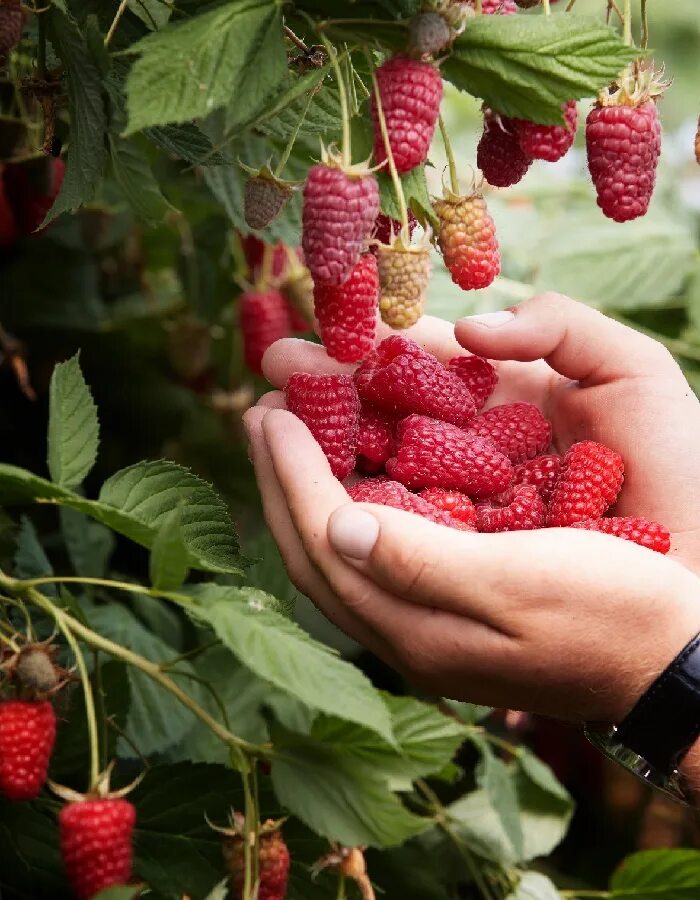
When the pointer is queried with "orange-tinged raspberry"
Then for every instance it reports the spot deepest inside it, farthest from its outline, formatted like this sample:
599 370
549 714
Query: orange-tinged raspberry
467 238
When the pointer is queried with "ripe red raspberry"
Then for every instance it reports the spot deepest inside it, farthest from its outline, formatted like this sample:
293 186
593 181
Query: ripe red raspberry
590 480
549 142
631 528
402 378
436 454
27 735
391 493
273 862
9 232
12 18
467 238
524 511
329 406
623 144
375 442
411 92
264 318
478 374
497 7
518 430
96 844
455 504
31 188
498 153
339 214
541 472
347 313
386 228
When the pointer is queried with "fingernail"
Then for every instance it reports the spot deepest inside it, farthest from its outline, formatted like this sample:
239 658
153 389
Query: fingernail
353 532
492 319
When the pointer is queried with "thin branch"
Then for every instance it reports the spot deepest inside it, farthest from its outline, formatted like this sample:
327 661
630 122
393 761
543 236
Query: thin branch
115 22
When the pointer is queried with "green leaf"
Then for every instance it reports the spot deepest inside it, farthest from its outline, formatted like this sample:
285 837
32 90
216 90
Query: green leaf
208 595
658 875
168 562
298 88
415 189
470 713
132 172
527 66
30 559
534 886
186 141
233 54
89 544
495 778
153 13
73 427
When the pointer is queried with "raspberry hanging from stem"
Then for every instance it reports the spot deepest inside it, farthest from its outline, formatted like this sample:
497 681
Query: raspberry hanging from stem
454 181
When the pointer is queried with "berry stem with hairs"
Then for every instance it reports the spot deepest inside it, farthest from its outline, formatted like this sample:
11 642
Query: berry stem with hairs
645 25
627 22
454 180
293 136
342 91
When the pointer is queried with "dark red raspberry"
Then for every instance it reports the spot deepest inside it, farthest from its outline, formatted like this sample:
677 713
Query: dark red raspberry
402 378
478 374
498 153
264 318
497 7
386 228
27 735
339 214
632 528
467 238
590 480
329 406
411 92
12 18
541 472
96 844
31 188
524 511
390 493
518 430
623 144
549 142
375 443
254 252
456 505
436 454
273 863
347 313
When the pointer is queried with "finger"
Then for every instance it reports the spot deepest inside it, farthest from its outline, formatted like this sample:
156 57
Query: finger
433 334
291 355
272 400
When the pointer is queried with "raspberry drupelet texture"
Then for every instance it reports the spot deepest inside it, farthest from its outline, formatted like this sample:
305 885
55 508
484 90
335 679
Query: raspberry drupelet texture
548 142
390 493
518 430
375 442
273 862
430 453
263 200
467 238
623 145
478 374
631 528
524 511
338 218
498 154
404 273
590 480
27 736
329 407
401 378
264 318
96 844
541 472
455 504
347 313
411 92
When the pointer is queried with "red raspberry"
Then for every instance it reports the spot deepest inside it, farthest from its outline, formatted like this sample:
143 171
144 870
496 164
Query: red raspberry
524 511
386 228
623 144
498 153
549 142
497 7
264 318
329 406
411 92
590 480
339 214
541 472
12 18
375 442
347 313
96 844
27 735
402 378
456 505
273 863
478 374
31 188
436 454
518 430
631 528
9 233
467 239
390 493
254 251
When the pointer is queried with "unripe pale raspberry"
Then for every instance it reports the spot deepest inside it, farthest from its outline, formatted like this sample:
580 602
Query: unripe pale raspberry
347 313
548 142
27 735
273 863
375 443
631 528
263 200
404 273
467 239
478 374
12 18
541 472
590 480
391 493
524 511
458 506
264 319
339 214
411 92
498 154
518 430
429 33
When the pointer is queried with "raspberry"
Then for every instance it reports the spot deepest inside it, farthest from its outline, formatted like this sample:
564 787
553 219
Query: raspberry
27 735
386 228
329 406
273 863
31 188
264 318
339 214
9 233
401 378
390 493
498 7
549 142
429 33
590 480
541 472
524 511
467 239
263 200
631 528
456 505
254 251
411 92
96 844
623 144
436 454
375 442
518 430
347 313
12 19
478 374
404 273
298 287
498 153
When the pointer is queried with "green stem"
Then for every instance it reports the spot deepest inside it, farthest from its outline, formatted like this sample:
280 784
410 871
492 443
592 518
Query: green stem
398 189
478 7
101 712
115 22
627 22
292 139
645 25
454 181
9 643
103 582
341 887
345 110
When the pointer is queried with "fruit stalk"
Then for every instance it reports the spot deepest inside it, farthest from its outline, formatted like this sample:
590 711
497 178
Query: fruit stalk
627 22
342 92
454 181
387 146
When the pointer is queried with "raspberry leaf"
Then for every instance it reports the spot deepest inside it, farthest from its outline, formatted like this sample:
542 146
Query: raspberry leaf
30 559
415 189
535 886
658 875
153 13
73 436
132 172
186 141
168 562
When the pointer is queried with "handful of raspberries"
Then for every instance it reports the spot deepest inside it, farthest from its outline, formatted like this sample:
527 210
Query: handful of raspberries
418 428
